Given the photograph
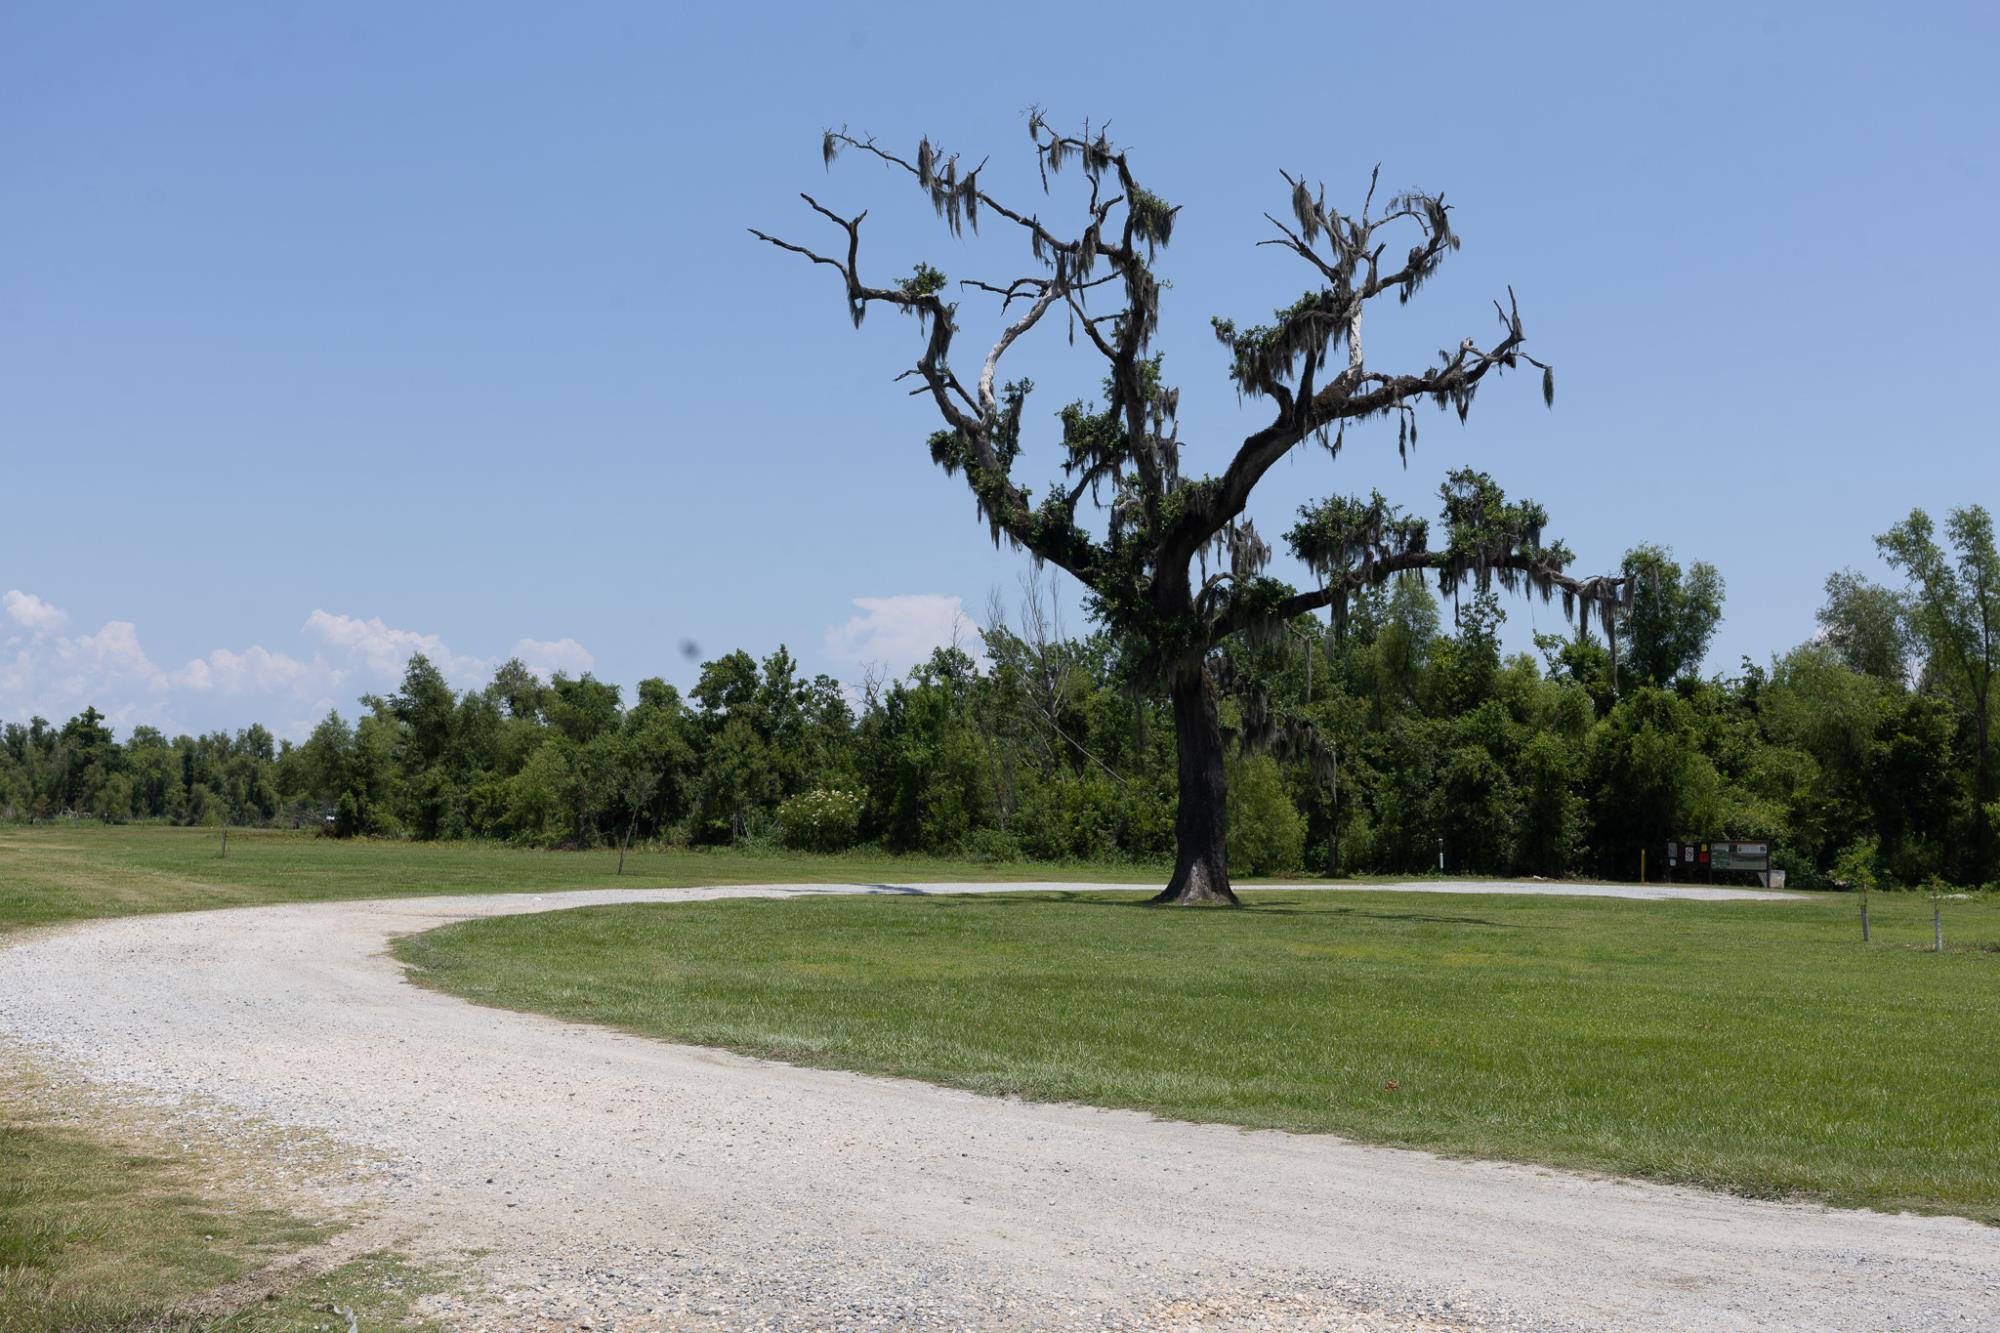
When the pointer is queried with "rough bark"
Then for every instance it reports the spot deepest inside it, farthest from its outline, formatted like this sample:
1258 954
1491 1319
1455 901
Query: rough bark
1201 821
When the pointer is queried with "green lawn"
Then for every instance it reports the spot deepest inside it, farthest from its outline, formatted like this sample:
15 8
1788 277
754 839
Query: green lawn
1752 1047
69 872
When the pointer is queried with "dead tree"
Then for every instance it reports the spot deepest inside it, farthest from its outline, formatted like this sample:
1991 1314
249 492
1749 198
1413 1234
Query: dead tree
1149 568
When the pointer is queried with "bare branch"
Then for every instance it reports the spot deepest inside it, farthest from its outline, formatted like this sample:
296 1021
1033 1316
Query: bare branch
987 403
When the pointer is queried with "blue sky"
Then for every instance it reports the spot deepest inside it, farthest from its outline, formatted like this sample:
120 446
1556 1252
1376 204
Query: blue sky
332 331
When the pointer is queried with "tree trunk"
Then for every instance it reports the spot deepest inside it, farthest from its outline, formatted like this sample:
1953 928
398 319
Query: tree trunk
1982 784
1201 824
1333 827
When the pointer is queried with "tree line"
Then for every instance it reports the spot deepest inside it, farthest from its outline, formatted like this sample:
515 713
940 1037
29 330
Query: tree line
1865 755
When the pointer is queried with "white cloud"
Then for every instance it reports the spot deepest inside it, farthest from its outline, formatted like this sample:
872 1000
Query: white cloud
14 674
113 654
545 657
385 650
24 608
897 633
255 670
46 673
58 676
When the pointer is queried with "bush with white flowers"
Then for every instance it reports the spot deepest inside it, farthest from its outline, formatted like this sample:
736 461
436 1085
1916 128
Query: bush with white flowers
825 819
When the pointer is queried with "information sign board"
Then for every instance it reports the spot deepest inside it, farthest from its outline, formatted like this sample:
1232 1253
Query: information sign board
1699 858
1740 855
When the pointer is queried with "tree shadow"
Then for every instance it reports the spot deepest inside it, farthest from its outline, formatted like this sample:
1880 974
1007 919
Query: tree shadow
1431 918
1087 898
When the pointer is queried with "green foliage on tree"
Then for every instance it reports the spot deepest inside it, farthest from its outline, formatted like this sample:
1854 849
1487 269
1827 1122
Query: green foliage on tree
1864 624
1669 618
1953 609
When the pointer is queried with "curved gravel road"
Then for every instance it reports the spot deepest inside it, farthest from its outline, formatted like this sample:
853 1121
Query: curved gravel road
618 1182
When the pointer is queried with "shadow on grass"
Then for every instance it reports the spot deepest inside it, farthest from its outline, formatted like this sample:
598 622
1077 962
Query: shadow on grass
1092 898
1427 918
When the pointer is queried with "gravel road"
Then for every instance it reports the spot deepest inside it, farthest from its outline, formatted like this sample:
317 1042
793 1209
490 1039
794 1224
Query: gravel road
617 1182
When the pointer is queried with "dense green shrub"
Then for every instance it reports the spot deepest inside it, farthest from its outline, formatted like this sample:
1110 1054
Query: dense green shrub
1071 820
1267 834
991 845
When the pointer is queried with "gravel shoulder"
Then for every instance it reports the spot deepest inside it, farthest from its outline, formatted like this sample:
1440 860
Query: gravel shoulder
617 1182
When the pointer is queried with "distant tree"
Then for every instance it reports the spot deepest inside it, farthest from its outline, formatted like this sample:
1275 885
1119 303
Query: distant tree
1551 812
637 779
659 745
1484 811
375 777
1467 664
1953 611
1669 618
1913 786
541 796
206 808
350 815
1820 719
1125 454
764 736
581 709
424 705
88 756
327 760
477 725
1864 624
114 799
728 686
155 770
922 762
738 782
1649 779
516 689
1579 659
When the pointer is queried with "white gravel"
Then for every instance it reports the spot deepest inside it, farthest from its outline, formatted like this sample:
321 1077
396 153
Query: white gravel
619 1182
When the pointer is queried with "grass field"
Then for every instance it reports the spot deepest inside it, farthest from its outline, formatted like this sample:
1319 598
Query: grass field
1752 1047
70 872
